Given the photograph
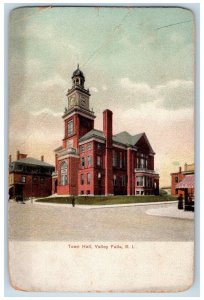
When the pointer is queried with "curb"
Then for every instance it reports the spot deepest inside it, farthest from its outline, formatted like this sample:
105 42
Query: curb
82 206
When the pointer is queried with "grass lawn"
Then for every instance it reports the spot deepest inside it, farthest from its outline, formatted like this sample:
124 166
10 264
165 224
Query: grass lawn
106 200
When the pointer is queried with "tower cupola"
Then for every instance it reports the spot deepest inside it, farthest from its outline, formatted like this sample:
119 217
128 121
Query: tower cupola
78 78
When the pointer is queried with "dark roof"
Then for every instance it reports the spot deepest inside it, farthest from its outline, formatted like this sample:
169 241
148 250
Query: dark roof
78 72
92 133
123 137
32 161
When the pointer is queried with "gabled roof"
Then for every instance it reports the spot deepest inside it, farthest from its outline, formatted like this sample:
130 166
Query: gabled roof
147 141
32 161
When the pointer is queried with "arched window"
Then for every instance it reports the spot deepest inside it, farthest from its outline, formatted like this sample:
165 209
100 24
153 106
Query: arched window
63 173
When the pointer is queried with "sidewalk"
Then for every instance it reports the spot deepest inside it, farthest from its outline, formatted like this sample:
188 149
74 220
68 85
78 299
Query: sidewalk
171 212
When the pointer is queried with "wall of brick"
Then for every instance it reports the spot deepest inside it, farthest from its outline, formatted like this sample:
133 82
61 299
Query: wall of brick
174 181
34 186
106 178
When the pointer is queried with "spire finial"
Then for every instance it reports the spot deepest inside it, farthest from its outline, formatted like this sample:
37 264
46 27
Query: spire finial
78 66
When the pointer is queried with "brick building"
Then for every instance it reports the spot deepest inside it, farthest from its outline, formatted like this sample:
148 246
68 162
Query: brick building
183 181
29 177
95 162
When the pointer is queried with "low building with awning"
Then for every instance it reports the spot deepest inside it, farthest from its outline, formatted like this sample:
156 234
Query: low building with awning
181 179
186 183
186 187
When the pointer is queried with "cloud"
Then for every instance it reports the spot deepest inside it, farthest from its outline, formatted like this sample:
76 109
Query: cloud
172 95
56 80
104 88
46 111
94 89
141 90
176 94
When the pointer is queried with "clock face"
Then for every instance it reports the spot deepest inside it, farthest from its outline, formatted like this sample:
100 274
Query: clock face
83 101
71 100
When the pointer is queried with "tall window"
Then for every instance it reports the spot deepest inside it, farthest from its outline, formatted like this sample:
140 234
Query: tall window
98 160
89 158
137 166
115 159
82 178
114 180
123 180
88 178
23 179
121 159
82 148
70 127
143 164
82 161
140 181
176 179
89 146
63 173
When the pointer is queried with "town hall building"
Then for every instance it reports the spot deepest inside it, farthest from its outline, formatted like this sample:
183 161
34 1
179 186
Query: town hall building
98 162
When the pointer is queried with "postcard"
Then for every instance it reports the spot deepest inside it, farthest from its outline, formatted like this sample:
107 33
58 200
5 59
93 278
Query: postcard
101 149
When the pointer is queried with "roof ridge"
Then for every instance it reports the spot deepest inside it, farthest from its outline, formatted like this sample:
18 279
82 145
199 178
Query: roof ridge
139 133
26 160
122 132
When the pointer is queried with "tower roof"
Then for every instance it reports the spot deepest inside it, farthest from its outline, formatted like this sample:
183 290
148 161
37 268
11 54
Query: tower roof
78 72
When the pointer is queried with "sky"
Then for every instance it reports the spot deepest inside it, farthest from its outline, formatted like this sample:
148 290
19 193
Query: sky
138 62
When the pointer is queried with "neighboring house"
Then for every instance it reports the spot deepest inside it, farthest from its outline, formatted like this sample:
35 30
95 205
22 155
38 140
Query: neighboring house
183 181
95 162
29 177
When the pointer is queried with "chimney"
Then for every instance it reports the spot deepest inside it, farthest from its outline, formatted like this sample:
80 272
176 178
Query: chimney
10 158
21 155
179 169
18 155
107 130
107 127
42 157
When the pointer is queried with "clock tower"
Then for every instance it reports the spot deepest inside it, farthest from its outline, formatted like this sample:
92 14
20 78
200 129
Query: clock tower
78 118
